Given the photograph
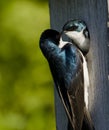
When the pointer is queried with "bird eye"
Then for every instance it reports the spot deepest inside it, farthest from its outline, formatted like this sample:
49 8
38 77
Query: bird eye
73 28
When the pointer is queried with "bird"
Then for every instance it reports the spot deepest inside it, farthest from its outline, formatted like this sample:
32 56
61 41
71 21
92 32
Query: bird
66 65
78 32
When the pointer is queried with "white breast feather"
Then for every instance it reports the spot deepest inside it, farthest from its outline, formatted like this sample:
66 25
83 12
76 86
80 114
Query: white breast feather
86 80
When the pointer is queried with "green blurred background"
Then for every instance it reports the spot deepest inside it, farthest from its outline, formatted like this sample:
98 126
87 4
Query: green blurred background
26 86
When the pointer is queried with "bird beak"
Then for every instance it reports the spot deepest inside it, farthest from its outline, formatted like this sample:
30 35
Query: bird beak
61 42
61 33
58 36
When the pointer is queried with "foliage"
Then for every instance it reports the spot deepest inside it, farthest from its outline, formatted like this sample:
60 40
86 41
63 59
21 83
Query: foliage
26 87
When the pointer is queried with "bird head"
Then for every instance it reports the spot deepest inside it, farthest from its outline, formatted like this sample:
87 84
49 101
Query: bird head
77 31
49 42
51 35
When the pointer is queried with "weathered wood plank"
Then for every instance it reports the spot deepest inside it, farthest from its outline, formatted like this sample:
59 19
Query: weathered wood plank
95 14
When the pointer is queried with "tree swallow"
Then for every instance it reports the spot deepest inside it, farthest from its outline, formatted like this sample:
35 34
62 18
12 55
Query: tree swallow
66 65
78 32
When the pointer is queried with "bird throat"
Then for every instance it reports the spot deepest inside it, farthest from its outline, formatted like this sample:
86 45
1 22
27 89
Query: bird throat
79 40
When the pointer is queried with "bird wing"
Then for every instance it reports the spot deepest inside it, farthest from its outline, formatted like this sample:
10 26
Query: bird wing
75 92
67 71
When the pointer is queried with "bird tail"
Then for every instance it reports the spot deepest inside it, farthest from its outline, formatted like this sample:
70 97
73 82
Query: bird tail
87 122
